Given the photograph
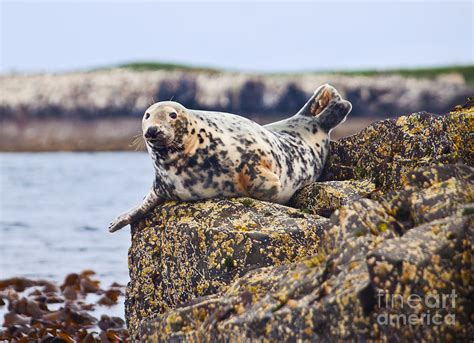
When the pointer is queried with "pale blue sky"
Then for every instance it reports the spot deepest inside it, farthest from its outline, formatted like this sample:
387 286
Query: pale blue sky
265 36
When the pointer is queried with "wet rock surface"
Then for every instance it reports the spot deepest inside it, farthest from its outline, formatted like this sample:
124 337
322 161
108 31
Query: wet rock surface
398 241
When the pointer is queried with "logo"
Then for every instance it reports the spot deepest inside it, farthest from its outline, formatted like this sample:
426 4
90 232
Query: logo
432 309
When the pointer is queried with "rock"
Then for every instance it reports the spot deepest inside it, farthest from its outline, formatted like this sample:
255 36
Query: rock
387 150
425 194
398 241
323 198
187 250
335 294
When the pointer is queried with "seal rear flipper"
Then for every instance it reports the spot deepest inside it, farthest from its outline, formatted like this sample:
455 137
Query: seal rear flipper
327 106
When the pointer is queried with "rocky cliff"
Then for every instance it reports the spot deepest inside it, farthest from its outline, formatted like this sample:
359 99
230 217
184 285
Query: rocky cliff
380 248
126 93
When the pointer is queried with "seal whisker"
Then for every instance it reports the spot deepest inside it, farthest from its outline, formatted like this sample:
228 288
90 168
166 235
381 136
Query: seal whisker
138 142
152 101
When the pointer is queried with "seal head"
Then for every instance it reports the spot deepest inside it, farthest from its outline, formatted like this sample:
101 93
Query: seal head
164 125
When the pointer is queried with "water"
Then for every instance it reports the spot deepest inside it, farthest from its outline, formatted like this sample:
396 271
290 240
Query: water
55 209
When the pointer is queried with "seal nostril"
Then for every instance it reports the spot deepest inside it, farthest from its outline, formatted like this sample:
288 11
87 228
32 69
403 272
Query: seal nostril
151 132
147 115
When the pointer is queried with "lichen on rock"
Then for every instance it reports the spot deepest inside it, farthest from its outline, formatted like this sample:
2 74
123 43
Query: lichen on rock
387 150
400 196
185 250
322 198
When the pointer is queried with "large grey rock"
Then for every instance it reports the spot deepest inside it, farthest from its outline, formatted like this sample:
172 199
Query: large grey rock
401 226
346 290
186 250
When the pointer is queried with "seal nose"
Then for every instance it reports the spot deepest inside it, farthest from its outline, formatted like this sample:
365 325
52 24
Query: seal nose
151 132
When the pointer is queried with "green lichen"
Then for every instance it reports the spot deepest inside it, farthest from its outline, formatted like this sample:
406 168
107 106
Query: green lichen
247 202
229 262
358 171
468 211
383 227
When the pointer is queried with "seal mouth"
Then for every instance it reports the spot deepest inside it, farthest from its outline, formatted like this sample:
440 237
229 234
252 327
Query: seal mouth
156 136
156 141
161 142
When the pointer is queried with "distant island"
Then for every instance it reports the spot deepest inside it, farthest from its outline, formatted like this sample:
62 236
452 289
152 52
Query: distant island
100 109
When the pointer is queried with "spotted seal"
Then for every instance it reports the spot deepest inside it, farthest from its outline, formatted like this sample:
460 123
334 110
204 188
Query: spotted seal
202 155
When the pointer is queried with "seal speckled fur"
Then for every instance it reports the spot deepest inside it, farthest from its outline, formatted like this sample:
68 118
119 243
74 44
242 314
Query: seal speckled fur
201 154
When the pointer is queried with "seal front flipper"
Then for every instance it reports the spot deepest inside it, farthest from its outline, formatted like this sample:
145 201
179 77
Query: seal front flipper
136 213
328 107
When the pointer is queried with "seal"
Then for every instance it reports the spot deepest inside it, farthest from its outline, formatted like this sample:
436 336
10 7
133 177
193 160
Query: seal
203 154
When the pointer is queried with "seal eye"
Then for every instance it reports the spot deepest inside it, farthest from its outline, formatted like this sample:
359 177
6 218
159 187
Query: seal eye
173 115
147 115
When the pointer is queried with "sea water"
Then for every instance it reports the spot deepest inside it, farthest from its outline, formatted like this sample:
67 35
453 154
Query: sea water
55 209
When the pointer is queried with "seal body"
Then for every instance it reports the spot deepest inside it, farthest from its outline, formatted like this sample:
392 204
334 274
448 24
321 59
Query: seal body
201 154
224 155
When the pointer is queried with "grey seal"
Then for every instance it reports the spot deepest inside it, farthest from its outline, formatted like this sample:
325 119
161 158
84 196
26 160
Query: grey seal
204 154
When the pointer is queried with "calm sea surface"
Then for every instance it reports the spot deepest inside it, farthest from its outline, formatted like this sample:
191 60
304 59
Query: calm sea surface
55 209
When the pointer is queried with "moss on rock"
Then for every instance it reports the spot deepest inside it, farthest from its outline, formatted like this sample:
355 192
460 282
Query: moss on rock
387 150
322 198
185 250
345 290
401 224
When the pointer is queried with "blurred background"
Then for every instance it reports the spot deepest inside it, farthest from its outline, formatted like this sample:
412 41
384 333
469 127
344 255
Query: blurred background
99 65
77 76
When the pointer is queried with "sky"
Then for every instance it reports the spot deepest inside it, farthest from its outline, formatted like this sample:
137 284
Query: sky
247 36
